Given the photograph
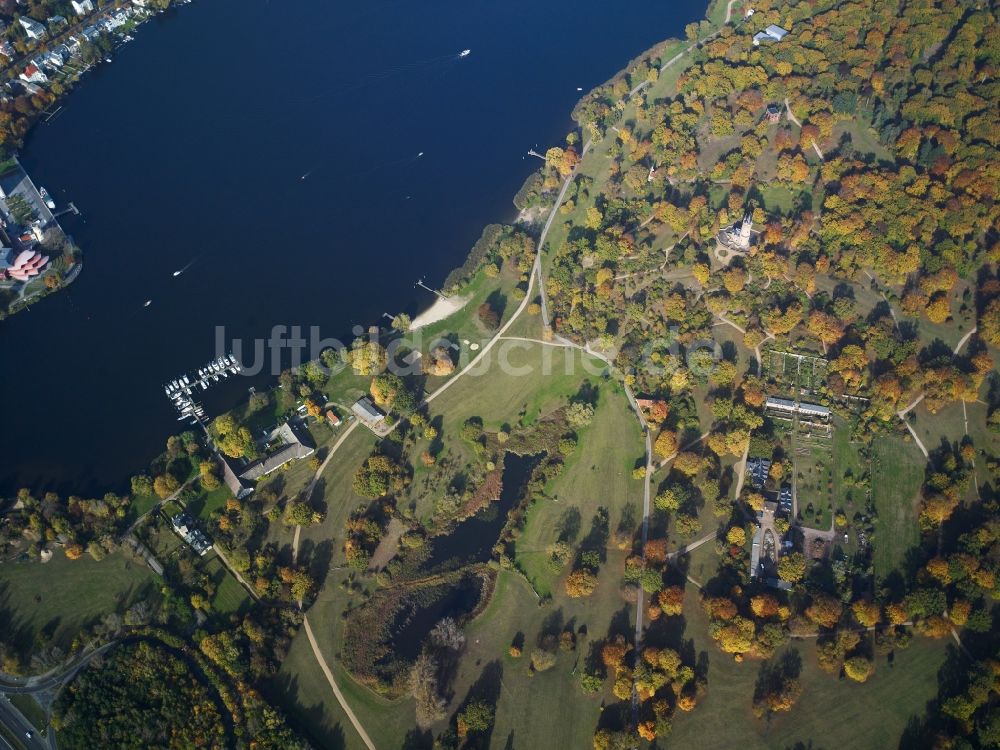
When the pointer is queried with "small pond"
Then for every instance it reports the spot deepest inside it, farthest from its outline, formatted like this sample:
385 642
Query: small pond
473 539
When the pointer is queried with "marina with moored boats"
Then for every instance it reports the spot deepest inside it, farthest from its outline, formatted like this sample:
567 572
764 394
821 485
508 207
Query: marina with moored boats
182 390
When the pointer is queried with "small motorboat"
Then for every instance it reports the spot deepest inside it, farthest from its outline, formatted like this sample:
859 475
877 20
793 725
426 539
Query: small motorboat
47 198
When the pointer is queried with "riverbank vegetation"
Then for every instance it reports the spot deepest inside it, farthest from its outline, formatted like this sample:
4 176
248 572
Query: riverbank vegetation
633 268
482 572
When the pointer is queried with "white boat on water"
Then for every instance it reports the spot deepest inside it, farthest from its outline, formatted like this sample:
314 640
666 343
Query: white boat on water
47 198
465 53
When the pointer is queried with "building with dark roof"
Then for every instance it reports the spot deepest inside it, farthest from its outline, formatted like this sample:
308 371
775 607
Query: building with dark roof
195 537
284 443
237 486
758 469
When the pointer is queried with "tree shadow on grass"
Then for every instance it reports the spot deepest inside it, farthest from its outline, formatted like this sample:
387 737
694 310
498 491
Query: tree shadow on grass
417 739
309 721
597 538
569 525
486 689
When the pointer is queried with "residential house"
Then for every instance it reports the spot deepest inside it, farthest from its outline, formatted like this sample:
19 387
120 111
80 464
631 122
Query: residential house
91 34
758 468
32 74
56 22
32 29
195 537
82 7
332 418
53 59
116 20
73 44
7 49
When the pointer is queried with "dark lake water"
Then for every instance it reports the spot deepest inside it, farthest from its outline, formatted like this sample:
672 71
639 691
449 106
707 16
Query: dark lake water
191 147
473 539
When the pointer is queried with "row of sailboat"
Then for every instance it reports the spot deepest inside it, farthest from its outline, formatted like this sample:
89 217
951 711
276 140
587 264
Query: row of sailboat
181 391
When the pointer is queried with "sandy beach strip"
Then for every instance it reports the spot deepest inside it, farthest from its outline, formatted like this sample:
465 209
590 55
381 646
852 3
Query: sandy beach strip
441 309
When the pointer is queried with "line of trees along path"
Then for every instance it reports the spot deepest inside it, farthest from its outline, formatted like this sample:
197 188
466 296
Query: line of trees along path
536 272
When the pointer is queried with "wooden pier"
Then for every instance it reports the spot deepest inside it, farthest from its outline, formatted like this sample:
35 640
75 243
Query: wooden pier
70 209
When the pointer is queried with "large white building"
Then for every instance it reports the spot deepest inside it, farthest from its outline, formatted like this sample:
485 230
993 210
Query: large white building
772 33
738 236
32 29
797 407
82 7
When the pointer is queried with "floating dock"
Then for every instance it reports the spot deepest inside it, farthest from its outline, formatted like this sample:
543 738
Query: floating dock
182 390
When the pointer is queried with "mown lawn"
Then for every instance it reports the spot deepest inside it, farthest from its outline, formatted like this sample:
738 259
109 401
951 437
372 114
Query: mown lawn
598 474
334 496
516 384
207 502
830 713
947 424
848 468
779 199
305 693
229 595
502 395
142 504
548 709
863 138
464 324
897 473
59 598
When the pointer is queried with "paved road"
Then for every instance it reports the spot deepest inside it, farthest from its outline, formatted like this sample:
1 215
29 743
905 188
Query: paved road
18 725
51 681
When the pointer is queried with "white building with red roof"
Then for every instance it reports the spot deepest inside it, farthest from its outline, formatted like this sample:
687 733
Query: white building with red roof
32 74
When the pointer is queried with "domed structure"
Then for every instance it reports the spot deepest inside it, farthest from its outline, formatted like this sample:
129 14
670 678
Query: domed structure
27 264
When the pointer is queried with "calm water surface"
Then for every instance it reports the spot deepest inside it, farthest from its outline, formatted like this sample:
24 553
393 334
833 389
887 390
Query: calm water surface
191 147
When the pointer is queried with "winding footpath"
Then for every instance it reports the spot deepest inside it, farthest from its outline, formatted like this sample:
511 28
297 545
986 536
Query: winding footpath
336 689
903 412
536 273
793 118
487 347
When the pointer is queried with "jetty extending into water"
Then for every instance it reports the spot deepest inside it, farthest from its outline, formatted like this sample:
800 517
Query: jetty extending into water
182 390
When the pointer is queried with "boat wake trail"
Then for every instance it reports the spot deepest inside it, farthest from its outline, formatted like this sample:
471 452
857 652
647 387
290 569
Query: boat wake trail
179 271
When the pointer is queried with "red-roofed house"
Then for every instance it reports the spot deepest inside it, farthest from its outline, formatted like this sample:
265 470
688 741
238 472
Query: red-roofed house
32 74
